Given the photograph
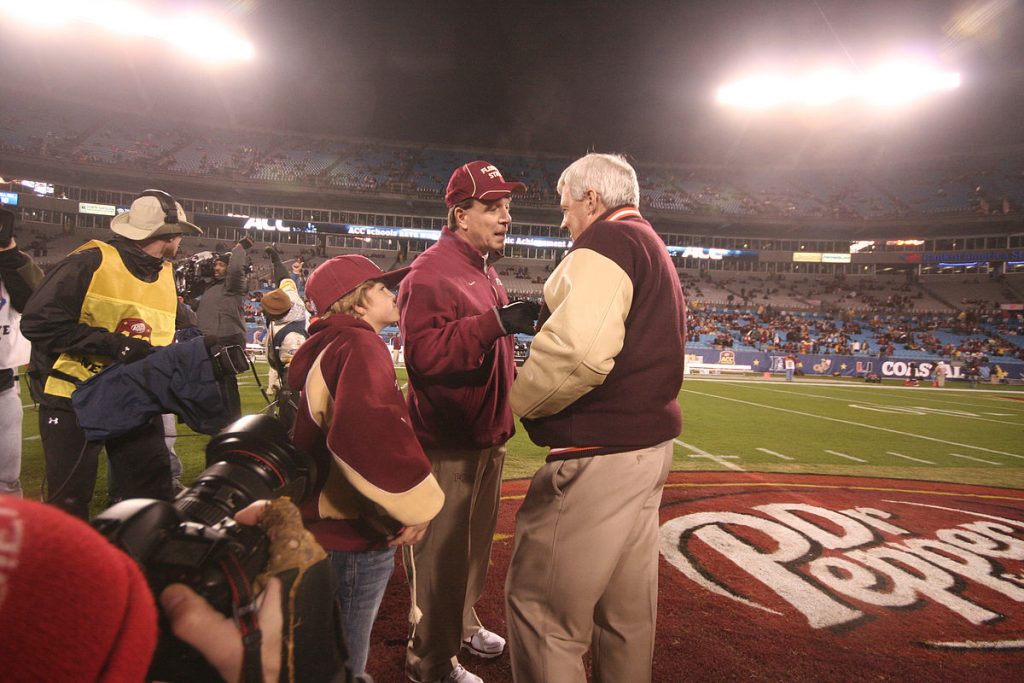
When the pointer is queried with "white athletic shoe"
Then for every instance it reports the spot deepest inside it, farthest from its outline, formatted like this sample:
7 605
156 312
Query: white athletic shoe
460 675
484 644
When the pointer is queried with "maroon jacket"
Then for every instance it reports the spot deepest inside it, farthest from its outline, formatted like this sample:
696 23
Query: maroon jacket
606 365
352 418
458 356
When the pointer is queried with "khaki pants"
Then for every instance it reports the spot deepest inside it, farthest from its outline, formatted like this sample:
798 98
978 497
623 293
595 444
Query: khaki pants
584 570
451 561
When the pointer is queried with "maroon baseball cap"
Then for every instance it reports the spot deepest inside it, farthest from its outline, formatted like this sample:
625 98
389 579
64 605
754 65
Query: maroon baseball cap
337 276
480 180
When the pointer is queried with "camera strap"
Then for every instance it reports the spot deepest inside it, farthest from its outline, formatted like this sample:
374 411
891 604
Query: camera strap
246 618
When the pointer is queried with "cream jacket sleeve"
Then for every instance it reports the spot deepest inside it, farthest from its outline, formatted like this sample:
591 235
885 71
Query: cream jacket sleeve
589 297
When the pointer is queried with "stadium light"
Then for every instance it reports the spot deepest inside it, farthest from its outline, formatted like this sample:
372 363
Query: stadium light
195 34
890 84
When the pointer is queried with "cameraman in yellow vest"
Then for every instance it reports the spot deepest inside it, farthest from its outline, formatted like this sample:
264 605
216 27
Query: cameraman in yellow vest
105 302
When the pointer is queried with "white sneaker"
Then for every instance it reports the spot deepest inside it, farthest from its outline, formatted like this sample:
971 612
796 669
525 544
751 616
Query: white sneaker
484 644
460 675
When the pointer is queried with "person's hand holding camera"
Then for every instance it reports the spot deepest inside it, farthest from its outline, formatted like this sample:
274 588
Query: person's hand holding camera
518 317
131 349
215 636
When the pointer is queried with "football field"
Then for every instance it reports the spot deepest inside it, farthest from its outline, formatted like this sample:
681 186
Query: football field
954 434
813 530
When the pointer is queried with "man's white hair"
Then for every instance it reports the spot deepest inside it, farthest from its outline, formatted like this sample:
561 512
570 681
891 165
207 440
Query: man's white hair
609 175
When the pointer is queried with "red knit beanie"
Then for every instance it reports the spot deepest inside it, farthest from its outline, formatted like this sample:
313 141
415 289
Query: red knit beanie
72 606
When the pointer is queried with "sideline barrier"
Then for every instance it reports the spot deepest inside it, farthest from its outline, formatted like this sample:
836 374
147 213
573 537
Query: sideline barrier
890 367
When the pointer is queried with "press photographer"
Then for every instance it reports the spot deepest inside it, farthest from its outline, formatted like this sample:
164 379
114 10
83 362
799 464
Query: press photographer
103 303
196 541
77 609
222 305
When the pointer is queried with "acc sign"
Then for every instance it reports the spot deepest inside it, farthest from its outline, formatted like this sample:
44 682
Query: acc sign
884 567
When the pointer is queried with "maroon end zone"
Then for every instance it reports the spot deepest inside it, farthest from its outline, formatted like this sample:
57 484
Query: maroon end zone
808 578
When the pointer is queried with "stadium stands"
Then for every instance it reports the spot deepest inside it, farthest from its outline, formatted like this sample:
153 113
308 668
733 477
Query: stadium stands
94 136
803 312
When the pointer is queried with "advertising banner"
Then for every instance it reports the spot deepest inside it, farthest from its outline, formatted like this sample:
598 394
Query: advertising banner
894 367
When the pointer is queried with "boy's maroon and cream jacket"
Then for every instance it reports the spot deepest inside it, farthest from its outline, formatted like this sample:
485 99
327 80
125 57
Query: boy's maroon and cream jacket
353 419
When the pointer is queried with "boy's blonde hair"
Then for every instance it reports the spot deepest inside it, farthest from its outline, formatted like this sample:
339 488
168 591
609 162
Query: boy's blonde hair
346 305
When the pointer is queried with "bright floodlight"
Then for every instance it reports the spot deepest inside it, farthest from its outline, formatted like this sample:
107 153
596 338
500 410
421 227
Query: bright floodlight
890 84
198 35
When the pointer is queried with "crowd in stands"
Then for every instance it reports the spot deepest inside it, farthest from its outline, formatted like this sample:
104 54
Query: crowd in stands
78 134
977 332
852 315
859 293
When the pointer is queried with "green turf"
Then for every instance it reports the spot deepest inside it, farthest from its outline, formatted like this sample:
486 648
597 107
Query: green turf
730 419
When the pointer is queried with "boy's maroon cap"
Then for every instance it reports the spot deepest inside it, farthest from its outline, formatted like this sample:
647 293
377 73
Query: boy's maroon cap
480 180
337 276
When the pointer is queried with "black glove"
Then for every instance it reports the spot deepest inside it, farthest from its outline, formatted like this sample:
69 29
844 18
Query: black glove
272 253
131 349
245 243
519 316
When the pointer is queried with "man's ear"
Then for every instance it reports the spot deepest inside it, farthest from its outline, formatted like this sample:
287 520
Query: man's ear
459 214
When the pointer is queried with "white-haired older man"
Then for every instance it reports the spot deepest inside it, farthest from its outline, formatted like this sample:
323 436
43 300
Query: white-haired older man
599 389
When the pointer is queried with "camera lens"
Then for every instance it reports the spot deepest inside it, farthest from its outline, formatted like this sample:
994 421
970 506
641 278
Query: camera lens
251 459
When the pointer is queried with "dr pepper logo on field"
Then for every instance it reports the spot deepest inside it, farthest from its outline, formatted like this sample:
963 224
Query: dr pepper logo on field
882 566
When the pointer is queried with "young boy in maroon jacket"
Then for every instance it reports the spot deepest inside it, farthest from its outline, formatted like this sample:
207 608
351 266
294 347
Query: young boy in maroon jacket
374 489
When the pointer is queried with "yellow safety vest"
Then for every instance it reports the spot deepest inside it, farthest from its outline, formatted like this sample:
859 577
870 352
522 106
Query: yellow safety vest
119 302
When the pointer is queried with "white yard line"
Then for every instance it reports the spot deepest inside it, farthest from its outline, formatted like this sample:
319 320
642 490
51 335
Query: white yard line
1005 520
889 408
933 396
718 459
691 447
31 438
844 455
967 457
980 400
852 423
777 455
907 457
978 644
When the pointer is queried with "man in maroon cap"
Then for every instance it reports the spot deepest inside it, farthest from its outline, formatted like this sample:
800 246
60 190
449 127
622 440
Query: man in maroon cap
457 324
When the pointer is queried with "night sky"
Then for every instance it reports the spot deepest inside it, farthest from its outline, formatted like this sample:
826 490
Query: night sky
560 77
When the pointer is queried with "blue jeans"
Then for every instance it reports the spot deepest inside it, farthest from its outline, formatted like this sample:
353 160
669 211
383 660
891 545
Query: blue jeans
362 578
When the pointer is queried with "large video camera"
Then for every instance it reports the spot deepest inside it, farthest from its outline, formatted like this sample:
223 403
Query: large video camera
193 275
195 541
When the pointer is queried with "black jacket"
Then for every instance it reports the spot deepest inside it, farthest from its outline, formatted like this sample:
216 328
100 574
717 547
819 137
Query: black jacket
20 276
220 308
